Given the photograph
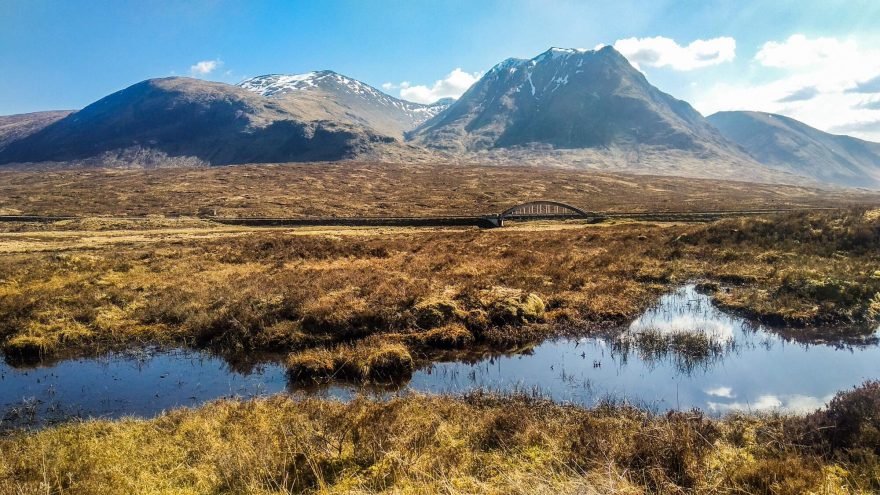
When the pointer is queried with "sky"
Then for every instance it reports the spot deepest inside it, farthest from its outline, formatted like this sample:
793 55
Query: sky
814 60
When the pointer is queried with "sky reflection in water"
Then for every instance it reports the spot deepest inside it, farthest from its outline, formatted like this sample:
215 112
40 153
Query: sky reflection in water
758 371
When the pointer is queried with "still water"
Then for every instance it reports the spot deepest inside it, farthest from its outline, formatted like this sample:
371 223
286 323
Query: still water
752 369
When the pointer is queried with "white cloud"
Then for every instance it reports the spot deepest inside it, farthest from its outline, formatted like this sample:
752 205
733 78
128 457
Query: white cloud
823 82
725 392
664 52
794 403
762 403
800 51
453 85
205 67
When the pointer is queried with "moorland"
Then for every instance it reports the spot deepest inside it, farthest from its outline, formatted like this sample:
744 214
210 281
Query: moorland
143 265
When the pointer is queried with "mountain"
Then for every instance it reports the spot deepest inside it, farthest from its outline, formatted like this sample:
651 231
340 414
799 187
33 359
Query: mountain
792 146
161 119
326 95
586 109
570 99
15 127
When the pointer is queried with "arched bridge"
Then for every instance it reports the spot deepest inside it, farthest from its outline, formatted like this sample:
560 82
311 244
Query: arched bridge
541 210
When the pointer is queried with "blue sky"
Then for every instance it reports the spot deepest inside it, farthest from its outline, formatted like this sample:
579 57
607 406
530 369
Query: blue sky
805 58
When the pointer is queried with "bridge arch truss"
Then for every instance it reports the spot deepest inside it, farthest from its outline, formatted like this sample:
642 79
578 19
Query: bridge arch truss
535 210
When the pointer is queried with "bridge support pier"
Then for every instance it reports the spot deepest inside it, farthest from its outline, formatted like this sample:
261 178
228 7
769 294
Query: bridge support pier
494 221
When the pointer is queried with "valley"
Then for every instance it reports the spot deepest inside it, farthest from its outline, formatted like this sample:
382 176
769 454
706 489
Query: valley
561 280
359 328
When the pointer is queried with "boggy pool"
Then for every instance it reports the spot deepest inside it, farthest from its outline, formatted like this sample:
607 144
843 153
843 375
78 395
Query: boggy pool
683 353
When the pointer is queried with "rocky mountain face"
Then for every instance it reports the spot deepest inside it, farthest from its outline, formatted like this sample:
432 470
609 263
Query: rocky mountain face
182 117
792 146
326 95
15 127
570 99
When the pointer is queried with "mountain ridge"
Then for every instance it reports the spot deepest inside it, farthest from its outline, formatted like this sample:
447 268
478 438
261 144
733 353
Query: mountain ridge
792 146
575 108
568 98
18 126
183 117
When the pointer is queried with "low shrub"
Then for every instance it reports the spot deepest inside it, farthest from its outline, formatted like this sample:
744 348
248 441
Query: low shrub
850 422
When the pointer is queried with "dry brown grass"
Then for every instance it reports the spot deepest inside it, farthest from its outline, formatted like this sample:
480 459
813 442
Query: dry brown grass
372 304
424 444
374 359
376 189
289 290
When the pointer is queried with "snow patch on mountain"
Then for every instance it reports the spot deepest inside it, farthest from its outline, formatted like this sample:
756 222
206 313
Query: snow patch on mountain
273 85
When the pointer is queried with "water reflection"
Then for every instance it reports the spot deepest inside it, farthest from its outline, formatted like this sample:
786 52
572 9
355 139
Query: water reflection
694 356
687 311
142 384
742 367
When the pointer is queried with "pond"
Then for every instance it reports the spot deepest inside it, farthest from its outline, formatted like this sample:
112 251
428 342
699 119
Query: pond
681 354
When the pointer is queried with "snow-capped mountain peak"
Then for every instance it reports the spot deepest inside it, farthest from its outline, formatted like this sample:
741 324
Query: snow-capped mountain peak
351 97
570 99
273 84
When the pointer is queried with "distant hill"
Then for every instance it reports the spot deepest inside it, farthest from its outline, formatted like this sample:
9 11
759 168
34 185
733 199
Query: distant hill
326 95
15 127
792 146
182 117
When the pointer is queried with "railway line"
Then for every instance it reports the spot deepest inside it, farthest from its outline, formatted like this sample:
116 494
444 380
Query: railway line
484 221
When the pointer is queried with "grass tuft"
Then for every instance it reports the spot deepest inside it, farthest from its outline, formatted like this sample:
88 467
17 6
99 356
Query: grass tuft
431 444
371 360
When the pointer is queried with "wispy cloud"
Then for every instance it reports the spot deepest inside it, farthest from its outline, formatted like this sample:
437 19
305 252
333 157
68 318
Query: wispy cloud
802 94
869 126
870 86
205 67
665 52
820 81
868 105
452 86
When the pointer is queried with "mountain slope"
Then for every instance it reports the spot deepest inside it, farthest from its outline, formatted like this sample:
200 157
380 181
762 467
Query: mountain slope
792 146
568 99
326 95
15 127
182 117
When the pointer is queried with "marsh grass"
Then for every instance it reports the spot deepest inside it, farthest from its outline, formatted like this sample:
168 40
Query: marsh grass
373 306
286 291
373 360
376 189
480 443
688 349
